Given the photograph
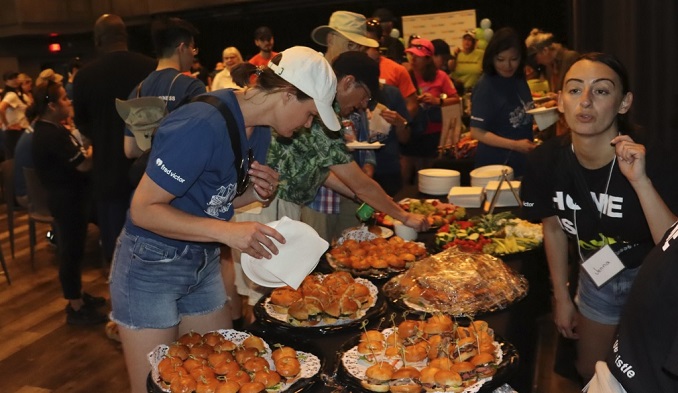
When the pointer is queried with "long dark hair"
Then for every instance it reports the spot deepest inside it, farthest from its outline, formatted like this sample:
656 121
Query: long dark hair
504 39
624 125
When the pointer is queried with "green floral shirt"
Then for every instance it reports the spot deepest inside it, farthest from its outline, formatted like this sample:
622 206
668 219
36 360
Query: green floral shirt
304 164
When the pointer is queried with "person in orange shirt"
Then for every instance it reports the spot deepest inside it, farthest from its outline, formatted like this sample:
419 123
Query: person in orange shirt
263 39
390 72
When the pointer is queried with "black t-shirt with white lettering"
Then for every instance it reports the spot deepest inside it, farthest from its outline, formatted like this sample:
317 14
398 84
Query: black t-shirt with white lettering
612 214
644 357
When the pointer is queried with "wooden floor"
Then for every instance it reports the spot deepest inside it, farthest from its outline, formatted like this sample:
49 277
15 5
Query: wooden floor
40 353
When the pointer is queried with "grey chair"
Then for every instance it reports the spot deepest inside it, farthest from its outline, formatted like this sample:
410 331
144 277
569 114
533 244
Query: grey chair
38 212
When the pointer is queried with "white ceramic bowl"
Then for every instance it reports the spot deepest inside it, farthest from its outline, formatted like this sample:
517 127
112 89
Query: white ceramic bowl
434 181
481 176
404 232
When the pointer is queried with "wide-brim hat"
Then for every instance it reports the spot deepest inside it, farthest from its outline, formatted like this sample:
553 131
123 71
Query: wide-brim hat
142 116
349 24
308 70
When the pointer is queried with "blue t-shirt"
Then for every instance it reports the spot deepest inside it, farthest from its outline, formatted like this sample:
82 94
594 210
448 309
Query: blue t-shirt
499 106
388 157
193 160
158 83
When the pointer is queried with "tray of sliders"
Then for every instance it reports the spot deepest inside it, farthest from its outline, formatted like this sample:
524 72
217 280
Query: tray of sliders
323 303
364 254
231 361
437 354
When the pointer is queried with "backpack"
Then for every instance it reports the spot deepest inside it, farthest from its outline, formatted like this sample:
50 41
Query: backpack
138 167
142 115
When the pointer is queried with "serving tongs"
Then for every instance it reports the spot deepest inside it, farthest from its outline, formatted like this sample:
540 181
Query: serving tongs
489 209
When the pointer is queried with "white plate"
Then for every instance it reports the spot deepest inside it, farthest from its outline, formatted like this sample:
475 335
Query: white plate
310 363
385 232
258 274
356 366
541 110
342 321
364 145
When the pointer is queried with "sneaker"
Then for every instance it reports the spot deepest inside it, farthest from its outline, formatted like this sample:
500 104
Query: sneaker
51 239
93 301
85 316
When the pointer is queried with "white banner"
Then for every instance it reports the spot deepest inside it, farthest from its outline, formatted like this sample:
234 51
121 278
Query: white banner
450 26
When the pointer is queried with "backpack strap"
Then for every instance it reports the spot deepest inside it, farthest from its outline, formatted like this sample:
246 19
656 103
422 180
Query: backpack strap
139 89
172 84
233 130
168 91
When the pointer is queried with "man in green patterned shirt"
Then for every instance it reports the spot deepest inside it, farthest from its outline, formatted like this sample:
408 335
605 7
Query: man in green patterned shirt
317 156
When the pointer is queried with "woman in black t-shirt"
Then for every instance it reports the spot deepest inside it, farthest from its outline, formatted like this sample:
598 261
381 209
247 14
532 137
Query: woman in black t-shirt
61 163
591 186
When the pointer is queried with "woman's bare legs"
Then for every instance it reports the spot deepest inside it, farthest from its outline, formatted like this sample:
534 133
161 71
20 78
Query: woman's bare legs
594 343
137 343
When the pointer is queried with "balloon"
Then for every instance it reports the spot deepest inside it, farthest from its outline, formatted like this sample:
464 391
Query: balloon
488 33
479 33
395 33
481 44
485 23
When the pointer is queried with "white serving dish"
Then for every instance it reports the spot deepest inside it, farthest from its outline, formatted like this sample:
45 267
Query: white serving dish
435 181
506 197
481 176
544 117
466 196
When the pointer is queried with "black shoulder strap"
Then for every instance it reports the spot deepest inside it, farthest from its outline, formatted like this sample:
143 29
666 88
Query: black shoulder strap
233 130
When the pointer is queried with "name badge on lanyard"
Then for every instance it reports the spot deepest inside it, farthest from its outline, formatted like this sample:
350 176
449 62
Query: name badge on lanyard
603 266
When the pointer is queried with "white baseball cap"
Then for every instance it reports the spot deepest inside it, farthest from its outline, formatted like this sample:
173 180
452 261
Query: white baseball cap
308 70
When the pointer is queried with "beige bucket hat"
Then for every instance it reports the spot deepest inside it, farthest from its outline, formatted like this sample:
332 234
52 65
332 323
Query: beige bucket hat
349 24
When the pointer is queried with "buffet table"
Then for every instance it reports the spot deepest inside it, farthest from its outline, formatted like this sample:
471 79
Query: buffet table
515 327
517 324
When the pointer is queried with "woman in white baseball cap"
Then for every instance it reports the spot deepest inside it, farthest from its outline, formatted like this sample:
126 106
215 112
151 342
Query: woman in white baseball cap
207 158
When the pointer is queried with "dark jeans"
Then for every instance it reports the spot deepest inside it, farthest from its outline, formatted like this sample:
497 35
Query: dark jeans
71 211
11 139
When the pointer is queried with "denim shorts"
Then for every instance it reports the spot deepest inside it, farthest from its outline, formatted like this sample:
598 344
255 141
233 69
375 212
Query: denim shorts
153 284
604 305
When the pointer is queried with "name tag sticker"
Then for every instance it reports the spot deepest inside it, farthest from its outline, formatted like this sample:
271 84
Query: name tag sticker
603 265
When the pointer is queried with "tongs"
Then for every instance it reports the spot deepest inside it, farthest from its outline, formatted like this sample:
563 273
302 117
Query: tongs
504 178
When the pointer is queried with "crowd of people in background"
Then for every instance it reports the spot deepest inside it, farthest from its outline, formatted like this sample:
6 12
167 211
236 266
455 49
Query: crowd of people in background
369 86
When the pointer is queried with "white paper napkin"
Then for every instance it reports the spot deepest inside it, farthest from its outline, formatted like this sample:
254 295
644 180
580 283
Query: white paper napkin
295 260
466 196
377 124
